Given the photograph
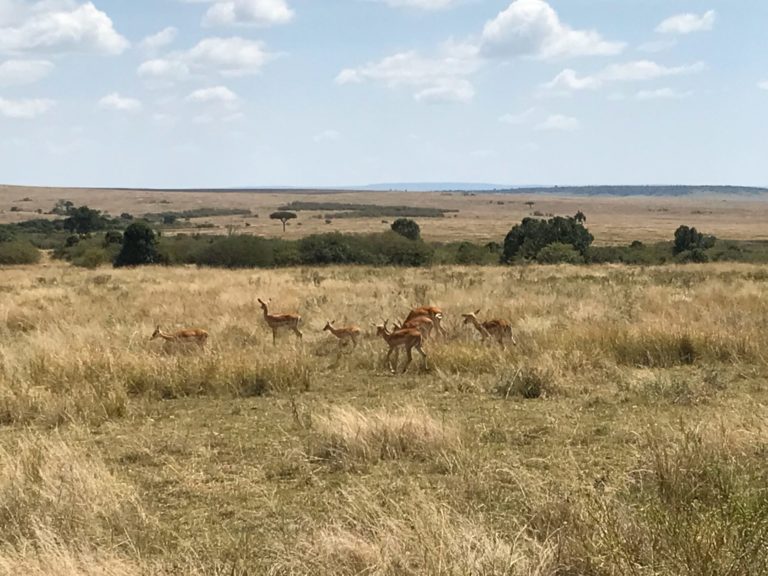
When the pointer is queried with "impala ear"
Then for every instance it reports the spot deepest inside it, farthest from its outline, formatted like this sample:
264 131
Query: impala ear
477 311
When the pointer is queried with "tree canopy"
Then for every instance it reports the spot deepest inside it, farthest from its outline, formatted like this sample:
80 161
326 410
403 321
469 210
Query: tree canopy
528 238
407 228
139 246
283 216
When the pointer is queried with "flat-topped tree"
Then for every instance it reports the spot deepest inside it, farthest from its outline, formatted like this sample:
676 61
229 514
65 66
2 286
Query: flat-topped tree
283 216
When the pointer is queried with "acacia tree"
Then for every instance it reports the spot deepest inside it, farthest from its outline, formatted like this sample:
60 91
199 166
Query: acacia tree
283 216
580 217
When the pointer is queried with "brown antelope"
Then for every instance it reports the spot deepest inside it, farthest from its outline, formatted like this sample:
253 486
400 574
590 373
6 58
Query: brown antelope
408 338
423 324
189 336
344 334
277 321
432 312
498 329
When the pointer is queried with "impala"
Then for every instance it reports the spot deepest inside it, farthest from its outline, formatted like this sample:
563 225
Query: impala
189 336
408 338
277 321
498 329
432 312
423 324
344 334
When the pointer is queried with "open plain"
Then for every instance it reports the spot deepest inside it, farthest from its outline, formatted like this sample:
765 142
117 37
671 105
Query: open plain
479 217
624 434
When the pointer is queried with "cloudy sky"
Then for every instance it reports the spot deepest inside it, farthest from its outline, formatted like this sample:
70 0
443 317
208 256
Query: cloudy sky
339 92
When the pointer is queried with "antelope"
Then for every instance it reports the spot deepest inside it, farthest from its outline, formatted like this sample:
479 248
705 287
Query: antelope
432 312
188 336
422 323
344 334
277 321
408 338
499 329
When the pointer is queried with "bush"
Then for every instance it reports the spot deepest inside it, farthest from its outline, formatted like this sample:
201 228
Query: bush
18 252
139 247
83 220
528 382
406 228
529 237
689 239
238 252
558 253
113 237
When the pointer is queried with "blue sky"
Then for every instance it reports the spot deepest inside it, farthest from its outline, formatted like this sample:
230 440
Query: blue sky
198 93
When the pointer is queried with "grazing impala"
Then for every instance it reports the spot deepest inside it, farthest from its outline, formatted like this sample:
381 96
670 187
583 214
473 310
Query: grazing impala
277 321
408 338
498 329
344 334
432 312
190 336
423 324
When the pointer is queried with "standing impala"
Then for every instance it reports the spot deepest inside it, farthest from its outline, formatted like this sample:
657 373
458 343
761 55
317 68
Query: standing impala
344 334
189 336
432 312
408 338
277 321
498 329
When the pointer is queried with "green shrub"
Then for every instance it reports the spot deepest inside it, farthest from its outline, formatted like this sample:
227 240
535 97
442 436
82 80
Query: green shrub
406 228
18 252
558 253
237 252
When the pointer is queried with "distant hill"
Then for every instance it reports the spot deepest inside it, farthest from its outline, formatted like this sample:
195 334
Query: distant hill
648 190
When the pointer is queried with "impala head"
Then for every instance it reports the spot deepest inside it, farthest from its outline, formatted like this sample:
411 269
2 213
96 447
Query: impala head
263 304
329 325
156 333
382 329
471 317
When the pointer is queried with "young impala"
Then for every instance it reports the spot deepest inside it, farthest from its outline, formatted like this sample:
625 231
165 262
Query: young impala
432 312
277 321
498 329
189 336
423 324
344 334
408 338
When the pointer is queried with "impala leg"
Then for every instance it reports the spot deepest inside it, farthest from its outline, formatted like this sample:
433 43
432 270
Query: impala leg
408 358
420 350
298 332
274 336
389 361
354 341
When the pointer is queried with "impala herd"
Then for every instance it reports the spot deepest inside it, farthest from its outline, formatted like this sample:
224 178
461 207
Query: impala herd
412 333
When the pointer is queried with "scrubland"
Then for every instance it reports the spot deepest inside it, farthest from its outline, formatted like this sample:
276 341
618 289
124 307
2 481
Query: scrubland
625 434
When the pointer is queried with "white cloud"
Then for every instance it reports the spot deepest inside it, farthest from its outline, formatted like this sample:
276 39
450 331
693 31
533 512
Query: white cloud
60 26
216 94
636 71
248 12
227 57
120 103
763 85
560 122
688 23
163 69
662 94
440 79
165 37
18 72
568 81
421 4
533 28
25 109
518 119
327 136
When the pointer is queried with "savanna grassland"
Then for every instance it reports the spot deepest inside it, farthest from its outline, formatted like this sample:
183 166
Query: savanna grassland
625 434
481 217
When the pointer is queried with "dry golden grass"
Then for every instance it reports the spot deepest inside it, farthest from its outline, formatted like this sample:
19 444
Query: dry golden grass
625 434
481 218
